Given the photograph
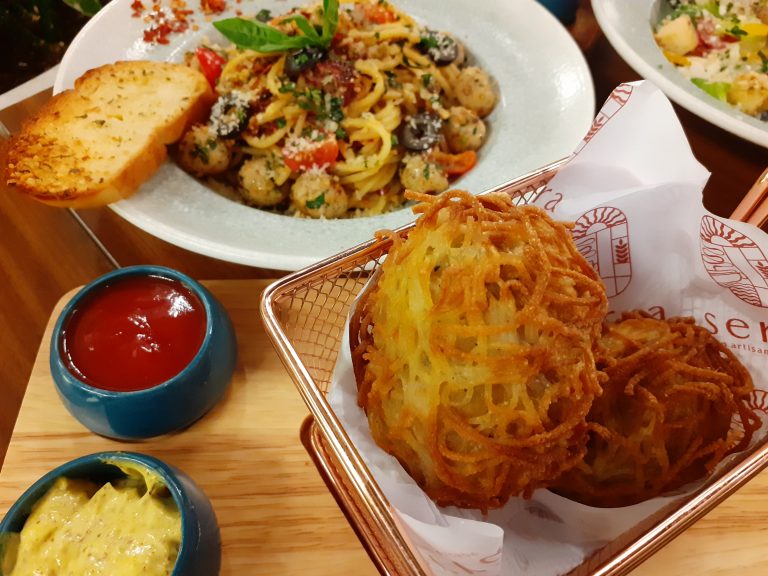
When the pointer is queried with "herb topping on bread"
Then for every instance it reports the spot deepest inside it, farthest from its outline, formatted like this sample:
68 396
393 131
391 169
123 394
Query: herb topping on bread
98 142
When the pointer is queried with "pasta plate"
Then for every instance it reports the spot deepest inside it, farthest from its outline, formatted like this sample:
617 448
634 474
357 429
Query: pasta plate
545 106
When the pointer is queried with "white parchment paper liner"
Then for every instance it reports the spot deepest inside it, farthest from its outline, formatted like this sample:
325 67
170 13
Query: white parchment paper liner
633 188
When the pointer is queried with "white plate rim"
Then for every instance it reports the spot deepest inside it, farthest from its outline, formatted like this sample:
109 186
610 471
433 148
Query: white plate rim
581 117
654 67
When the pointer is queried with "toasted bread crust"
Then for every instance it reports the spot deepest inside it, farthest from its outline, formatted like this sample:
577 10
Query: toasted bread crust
98 142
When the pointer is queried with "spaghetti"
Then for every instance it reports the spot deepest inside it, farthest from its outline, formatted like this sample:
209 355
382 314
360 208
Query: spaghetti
674 405
340 131
473 349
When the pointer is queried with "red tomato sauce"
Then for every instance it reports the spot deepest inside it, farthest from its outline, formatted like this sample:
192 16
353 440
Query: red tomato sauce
134 334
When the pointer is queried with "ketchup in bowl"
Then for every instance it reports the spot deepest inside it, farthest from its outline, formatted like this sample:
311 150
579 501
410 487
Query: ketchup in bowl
133 333
142 351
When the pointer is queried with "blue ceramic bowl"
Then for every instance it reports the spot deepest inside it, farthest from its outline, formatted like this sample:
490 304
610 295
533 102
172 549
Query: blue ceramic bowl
200 550
167 407
564 10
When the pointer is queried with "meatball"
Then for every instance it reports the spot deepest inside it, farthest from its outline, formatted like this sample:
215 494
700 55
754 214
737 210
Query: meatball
257 183
315 194
419 175
464 130
203 154
474 90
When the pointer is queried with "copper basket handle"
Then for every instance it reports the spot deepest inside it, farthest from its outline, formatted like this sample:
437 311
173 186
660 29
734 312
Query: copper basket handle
753 209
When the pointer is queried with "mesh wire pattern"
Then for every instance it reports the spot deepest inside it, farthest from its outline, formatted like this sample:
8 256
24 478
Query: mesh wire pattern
304 315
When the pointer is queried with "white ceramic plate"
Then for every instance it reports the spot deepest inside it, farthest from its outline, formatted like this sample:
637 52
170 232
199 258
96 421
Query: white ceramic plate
546 106
628 27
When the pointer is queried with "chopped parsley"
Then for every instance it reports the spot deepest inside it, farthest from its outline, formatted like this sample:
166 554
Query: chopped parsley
736 31
395 140
392 80
686 10
427 42
335 112
426 79
202 151
324 106
316 202
280 122
764 60
341 134
425 172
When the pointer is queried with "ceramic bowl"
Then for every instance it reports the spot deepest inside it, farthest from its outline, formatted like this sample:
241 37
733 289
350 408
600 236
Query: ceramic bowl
629 28
167 407
565 10
200 550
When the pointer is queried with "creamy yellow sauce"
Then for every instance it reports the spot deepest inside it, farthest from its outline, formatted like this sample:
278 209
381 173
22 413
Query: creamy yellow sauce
127 528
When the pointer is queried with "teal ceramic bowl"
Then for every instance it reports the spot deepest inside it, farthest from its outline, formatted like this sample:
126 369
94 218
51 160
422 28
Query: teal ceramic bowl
200 546
564 10
166 407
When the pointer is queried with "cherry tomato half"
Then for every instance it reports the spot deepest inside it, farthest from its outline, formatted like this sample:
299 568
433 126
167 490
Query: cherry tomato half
310 153
456 164
379 13
211 64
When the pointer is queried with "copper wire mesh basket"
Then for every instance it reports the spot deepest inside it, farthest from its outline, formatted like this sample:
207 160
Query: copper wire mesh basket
305 313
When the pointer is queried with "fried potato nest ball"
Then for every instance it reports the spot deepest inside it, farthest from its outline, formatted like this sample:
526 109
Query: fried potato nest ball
473 349
674 405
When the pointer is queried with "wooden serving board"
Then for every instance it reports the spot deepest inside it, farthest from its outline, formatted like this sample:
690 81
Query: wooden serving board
275 513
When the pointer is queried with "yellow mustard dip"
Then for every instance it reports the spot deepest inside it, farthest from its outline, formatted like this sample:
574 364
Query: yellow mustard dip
127 528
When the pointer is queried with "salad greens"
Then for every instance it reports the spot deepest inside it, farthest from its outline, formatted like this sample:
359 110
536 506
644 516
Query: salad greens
259 36
717 89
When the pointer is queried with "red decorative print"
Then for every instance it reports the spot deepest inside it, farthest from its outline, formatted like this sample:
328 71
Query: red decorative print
734 261
547 199
616 101
602 237
758 401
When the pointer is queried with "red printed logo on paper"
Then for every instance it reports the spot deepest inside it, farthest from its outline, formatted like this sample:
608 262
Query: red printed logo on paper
616 101
758 401
602 237
547 199
734 261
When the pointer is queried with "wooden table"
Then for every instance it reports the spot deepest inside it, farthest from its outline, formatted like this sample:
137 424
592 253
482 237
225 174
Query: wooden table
45 252
274 511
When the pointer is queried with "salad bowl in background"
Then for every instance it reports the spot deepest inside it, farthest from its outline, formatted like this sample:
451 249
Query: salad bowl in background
629 27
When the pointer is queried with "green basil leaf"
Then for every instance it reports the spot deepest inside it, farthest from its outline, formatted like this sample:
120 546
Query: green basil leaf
304 25
330 20
87 7
258 36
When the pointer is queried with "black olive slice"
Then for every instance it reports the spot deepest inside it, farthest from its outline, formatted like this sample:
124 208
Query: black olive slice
304 59
441 48
421 132
229 114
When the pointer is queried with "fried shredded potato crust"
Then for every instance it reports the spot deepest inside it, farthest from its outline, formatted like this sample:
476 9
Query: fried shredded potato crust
674 405
473 349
